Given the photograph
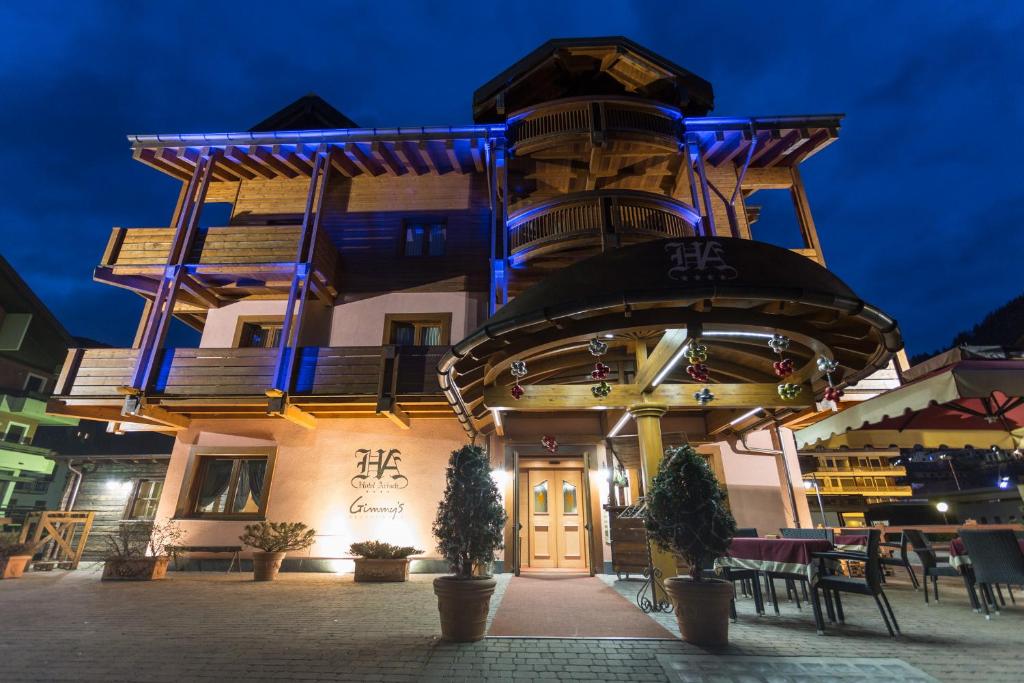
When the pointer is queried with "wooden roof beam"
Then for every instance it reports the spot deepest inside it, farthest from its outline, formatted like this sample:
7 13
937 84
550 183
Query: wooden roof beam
659 361
410 159
392 163
362 158
149 157
291 160
242 159
267 158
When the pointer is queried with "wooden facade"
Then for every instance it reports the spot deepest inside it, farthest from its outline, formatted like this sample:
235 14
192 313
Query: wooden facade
588 151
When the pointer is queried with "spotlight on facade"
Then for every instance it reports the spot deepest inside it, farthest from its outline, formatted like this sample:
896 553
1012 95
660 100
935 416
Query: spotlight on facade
808 484
942 506
1004 482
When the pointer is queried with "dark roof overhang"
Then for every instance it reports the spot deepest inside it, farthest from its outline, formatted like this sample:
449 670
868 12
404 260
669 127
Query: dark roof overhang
730 285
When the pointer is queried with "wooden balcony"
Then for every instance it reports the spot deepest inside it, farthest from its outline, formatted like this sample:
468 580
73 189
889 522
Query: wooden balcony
892 491
596 220
594 122
225 262
349 381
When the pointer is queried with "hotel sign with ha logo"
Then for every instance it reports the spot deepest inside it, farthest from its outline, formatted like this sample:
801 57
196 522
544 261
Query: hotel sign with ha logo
378 476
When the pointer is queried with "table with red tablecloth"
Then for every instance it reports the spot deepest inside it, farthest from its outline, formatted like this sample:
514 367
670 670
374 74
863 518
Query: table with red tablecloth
775 555
852 543
958 556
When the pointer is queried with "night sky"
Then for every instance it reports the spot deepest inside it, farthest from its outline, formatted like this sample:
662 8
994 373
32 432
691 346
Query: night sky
919 204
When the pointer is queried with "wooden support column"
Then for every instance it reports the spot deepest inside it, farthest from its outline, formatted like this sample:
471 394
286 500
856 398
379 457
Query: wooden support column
298 294
693 148
502 173
648 430
158 315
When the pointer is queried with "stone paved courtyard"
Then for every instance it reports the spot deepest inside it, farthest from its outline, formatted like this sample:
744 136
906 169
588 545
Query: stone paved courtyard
196 626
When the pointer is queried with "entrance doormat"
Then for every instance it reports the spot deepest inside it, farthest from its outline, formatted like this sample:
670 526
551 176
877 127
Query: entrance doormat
699 668
569 606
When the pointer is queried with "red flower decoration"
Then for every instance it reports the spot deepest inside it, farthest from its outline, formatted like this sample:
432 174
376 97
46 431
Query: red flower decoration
549 443
698 372
784 367
600 371
833 394
517 392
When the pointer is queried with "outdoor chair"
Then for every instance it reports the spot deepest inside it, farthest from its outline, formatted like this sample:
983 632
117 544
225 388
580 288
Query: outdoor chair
930 565
901 560
869 584
745 576
996 558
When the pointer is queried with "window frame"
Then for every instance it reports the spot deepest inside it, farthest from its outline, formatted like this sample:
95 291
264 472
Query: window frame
134 498
443 320
42 379
189 496
428 223
244 320
25 437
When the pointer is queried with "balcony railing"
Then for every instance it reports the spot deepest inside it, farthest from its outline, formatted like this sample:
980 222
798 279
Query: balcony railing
250 256
599 119
92 375
595 218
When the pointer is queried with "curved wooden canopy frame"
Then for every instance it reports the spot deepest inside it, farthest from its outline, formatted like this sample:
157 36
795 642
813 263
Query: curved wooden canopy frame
623 296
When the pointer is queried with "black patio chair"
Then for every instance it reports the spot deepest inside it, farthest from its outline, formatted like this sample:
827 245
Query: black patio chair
745 576
869 584
996 558
901 560
931 567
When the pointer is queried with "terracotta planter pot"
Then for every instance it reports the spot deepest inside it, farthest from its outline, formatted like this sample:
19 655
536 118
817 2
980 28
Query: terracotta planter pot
382 570
463 606
265 566
135 569
13 566
701 608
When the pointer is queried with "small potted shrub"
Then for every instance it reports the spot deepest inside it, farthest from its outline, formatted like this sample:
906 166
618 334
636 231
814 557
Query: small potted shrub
686 514
14 556
376 561
469 525
274 540
140 551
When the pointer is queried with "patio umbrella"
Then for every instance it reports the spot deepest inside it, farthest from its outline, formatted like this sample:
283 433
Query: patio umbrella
977 403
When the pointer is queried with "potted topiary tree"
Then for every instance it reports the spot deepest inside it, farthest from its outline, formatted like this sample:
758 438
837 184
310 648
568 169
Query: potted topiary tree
14 556
274 540
140 551
376 561
686 514
469 525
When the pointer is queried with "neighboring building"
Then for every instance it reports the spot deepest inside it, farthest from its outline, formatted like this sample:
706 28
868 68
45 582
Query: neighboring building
120 477
364 307
33 345
850 481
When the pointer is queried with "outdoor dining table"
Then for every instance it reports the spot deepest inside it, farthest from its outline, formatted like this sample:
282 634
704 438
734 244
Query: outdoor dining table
961 561
780 556
852 543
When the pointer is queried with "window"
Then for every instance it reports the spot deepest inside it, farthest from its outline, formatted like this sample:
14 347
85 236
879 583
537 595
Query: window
428 329
260 335
35 383
16 433
229 484
145 497
424 239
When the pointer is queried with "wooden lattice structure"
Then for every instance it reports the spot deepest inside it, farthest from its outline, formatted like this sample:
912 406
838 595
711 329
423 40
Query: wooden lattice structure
68 530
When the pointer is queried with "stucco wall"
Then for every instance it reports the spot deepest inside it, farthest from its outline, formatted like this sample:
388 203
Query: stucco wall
361 322
313 480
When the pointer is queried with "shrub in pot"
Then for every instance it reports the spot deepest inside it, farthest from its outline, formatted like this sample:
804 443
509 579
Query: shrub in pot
274 540
14 556
377 561
686 514
469 525
140 551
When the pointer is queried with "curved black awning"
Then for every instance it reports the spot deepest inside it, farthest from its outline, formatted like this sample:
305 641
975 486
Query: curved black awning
698 282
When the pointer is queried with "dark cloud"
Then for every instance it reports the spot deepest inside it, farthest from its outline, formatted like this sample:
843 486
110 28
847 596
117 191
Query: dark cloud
918 204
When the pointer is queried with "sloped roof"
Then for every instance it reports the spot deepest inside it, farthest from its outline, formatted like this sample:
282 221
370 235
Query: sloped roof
310 112
571 67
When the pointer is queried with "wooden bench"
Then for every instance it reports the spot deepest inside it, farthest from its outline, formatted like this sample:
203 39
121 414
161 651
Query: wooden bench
233 549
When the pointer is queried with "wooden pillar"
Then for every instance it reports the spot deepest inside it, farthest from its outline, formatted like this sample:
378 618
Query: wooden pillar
648 430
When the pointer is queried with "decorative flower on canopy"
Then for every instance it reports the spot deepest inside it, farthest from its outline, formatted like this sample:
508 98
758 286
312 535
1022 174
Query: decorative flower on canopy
704 396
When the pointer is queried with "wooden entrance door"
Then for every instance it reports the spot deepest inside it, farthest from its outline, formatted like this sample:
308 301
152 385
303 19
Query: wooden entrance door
556 519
